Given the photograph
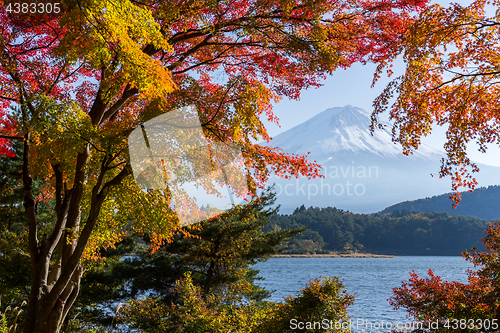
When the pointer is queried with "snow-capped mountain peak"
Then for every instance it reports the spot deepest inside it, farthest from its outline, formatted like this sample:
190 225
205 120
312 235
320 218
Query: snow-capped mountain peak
343 130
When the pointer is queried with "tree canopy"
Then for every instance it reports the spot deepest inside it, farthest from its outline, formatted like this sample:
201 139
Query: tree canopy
451 79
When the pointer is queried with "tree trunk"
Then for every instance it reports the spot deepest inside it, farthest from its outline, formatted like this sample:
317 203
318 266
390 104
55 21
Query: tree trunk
54 288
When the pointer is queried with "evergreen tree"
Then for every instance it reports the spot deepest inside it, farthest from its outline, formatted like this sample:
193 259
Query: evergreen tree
14 262
14 259
218 253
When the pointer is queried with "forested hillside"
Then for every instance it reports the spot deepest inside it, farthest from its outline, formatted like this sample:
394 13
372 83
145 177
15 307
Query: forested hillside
398 233
482 202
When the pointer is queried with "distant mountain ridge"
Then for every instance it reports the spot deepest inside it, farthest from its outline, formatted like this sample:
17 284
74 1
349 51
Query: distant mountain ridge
363 173
482 202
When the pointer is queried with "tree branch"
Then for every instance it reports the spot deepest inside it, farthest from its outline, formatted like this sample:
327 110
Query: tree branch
11 137
90 224
97 109
190 52
62 208
220 104
461 76
9 99
129 92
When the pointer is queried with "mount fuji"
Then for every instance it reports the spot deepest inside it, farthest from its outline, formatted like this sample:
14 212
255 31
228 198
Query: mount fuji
363 173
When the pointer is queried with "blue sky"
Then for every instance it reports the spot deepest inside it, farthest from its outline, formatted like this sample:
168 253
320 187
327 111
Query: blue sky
352 86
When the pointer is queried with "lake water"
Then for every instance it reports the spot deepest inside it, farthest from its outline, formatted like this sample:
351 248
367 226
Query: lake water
371 279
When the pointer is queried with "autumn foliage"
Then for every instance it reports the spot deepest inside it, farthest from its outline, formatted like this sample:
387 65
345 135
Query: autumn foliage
7 128
432 299
451 80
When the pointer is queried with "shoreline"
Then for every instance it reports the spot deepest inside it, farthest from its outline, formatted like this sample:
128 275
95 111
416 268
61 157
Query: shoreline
334 255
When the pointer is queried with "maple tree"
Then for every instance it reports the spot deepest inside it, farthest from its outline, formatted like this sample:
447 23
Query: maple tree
81 80
451 79
467 306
